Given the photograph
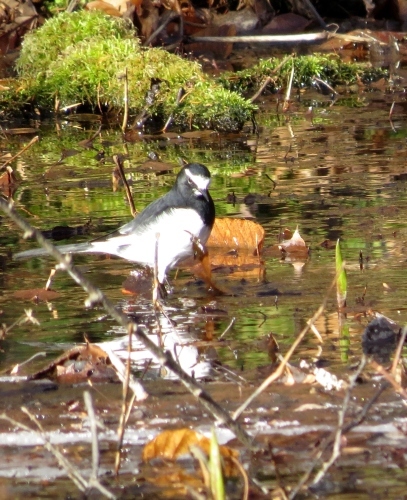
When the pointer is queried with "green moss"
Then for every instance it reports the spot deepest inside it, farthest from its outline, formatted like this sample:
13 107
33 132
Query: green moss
90 71
206 105
44 45
329 68
79 58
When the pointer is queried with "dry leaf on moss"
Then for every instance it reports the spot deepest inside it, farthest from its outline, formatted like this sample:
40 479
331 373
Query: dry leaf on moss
237 234
105 7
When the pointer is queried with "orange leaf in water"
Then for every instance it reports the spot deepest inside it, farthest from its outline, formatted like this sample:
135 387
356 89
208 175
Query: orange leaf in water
172 444
237 234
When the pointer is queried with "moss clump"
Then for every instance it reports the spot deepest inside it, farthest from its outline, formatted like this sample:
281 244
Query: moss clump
329 68
42 47
206 106
89 72
80 57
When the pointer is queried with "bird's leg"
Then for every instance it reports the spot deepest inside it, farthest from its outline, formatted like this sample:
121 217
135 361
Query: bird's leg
162 291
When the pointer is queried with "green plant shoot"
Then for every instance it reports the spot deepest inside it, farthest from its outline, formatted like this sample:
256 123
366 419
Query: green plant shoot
341 278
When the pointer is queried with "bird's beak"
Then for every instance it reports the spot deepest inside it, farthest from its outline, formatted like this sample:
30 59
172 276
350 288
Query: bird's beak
204 193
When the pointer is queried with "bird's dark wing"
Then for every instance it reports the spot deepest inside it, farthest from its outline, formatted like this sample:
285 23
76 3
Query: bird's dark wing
146 217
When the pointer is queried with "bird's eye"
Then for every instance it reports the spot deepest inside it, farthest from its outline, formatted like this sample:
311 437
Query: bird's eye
190 182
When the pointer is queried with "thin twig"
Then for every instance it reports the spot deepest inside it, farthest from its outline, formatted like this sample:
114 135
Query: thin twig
289 87
156 284
382 371
7 162
397 354
330 439
305 37
139 392
391 110
170 16
336 451
228 328
16 368
268 79
326 84
80 482
119 164
180 95
277 374
126 101
95 295
239 466
94 434
262 87
125 409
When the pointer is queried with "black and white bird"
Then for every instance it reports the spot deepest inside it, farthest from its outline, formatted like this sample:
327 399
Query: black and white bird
178 218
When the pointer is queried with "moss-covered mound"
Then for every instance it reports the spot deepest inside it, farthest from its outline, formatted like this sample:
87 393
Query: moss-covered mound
329 68
80 57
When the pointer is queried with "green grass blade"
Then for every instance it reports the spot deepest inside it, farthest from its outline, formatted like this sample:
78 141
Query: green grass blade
341 278
215 469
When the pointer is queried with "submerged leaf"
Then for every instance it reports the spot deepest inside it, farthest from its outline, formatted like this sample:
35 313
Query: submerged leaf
295 245
78 364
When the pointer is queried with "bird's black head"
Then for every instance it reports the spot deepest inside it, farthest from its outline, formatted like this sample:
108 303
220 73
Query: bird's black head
194 178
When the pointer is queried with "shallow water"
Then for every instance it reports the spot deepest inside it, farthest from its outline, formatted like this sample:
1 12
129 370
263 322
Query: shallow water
338 175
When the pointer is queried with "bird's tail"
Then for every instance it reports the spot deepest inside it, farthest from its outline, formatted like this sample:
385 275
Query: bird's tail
38 252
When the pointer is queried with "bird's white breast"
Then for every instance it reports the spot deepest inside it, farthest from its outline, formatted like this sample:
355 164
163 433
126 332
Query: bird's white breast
174 231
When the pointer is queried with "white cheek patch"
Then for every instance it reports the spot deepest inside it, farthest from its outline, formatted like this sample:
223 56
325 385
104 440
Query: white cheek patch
200 182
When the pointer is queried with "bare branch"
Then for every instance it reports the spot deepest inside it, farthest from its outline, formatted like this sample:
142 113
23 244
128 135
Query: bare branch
164 358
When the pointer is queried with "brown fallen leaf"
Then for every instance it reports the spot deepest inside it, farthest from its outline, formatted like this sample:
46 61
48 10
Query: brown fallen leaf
295 245
286 23
7 178
147 18
237 234
78 364
105 7
172 444
219 50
